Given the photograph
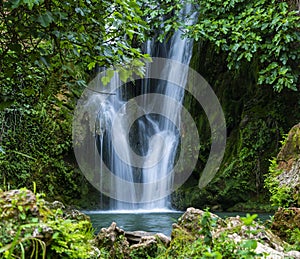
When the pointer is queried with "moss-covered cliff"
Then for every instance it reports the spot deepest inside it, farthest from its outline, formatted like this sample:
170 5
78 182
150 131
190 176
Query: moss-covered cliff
256 117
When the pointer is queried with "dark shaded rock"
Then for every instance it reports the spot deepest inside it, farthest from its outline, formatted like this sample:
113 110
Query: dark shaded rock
55 205
75 215
44 233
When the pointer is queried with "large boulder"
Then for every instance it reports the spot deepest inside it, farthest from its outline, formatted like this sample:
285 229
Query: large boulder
288 160
284 185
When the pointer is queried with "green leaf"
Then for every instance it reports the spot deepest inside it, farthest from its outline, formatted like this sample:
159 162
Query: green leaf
105 80
283 70
110 73
251 244
31 3
15 3
55 235
34 220
91 65
45 19
124 74
23 216
248 56
248 220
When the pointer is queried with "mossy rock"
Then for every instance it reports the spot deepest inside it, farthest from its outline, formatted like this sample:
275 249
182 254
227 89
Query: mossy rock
288 161
290 151
191 221
286 220
18 204
31 226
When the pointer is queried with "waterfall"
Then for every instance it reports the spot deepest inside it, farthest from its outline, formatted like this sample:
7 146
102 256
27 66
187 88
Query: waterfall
154 137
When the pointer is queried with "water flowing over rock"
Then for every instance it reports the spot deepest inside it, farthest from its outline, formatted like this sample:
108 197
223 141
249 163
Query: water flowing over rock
155 138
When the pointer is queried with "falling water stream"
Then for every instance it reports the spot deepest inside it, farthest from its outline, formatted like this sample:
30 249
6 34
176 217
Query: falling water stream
154 137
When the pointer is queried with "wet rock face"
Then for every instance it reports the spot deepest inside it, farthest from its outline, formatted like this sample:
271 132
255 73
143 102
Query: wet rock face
134 237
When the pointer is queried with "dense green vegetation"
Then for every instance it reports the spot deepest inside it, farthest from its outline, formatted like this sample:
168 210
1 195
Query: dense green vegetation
49 50
248 51
265 33
184 245
243 48
285 192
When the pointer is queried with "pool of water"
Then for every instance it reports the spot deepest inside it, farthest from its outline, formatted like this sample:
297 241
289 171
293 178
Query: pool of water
150 221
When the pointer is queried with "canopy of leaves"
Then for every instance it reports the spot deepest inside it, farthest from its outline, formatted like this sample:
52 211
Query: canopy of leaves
266 32
65 37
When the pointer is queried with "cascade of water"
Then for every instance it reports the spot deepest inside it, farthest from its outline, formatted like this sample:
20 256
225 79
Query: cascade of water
149 131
